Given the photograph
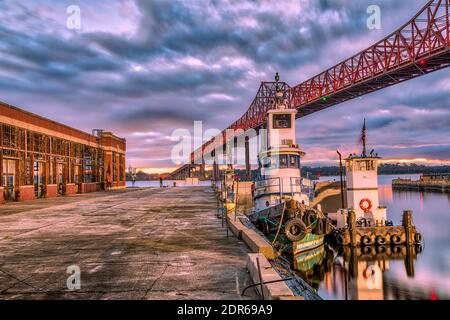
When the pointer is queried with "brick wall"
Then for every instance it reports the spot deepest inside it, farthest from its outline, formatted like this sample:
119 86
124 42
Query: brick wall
88 187
70 189
26 193
52 191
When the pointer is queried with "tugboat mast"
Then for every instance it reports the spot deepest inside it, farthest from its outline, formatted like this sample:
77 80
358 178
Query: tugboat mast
364 138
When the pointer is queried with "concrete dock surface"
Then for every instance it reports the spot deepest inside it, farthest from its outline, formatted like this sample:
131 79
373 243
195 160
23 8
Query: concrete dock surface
134 244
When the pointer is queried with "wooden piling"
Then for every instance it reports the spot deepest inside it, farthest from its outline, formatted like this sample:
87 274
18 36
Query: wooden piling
352 228
409 261
407 224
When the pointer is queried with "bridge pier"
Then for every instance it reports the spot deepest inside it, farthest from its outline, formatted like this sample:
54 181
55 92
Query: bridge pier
247 158
235 151
228 155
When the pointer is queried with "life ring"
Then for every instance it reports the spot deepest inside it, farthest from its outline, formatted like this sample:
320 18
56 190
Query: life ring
365 205
369 272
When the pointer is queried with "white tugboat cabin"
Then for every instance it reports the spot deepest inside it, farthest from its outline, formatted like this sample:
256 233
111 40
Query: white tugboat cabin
280 164
362 190
282 210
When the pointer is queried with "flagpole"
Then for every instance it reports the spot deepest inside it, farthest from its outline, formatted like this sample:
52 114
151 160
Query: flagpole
363 138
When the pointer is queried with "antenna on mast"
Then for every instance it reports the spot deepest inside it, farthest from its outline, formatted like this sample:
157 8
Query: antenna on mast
277 80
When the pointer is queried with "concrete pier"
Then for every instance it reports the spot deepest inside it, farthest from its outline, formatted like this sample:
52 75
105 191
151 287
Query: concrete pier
422 185
143 244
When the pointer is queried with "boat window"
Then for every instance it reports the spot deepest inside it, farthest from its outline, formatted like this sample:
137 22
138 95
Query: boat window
294 161
365 165
282 121
349 166
361 165
266 163
274 162
283 160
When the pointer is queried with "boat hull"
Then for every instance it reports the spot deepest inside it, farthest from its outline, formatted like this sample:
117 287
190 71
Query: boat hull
306 261
310 242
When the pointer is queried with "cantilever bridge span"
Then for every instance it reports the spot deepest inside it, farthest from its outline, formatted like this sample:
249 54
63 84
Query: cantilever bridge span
419 47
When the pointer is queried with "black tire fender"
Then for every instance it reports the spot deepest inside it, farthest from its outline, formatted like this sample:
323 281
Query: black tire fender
309 217
328 226
340 239
295 230
319 228
380 240
418 238
366 241
396 239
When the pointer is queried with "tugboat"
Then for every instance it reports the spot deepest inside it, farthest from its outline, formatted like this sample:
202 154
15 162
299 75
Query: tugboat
364 221
282 210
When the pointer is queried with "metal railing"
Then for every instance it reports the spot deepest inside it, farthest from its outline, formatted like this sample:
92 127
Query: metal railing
281 186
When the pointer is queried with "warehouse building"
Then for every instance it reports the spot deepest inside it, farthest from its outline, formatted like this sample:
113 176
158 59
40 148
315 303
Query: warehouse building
40 158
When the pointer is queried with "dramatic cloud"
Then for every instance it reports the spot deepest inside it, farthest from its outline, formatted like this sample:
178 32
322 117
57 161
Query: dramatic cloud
144 68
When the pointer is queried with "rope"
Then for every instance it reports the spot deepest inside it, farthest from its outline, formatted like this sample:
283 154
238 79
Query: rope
279 225
269 221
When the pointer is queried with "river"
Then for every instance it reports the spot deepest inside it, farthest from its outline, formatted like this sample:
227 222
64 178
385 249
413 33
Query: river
407 275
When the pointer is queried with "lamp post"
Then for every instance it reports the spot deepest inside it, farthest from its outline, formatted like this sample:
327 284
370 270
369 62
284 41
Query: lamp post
342 181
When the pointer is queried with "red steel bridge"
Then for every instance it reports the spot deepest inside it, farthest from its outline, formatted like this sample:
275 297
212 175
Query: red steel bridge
419 47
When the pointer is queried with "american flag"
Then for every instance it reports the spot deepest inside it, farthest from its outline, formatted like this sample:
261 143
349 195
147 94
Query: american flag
364 137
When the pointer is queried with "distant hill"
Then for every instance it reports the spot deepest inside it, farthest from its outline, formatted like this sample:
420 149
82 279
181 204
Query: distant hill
383 169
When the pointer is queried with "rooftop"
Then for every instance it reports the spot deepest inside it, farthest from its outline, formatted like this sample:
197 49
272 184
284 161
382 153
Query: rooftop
18 113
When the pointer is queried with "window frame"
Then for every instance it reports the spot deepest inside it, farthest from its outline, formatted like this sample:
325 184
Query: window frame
277 118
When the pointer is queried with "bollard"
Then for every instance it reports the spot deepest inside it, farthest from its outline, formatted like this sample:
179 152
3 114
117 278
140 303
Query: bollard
352 228
407 224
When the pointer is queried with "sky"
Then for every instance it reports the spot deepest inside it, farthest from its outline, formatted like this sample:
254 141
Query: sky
145 68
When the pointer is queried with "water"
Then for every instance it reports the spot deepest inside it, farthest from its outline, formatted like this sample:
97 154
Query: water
425 276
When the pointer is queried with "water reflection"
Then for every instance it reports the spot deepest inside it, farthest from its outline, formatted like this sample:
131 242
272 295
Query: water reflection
313 265
430 278
358 273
